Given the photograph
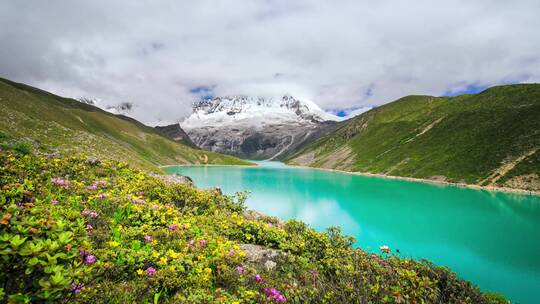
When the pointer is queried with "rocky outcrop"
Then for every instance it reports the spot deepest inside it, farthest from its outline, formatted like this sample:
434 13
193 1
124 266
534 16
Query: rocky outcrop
263 256
175 178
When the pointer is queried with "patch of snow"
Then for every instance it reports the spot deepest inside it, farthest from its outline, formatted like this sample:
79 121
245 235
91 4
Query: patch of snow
255 112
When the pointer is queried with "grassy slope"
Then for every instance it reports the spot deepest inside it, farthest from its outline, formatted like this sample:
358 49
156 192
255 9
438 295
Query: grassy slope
118 235
471 137
68 125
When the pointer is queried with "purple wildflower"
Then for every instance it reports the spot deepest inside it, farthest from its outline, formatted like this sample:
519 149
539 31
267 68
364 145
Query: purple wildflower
102 183
173 227
203 243
274 295
94 214
154 207
258 278
82 252
240 269
230 252
150 271
76 288
147 239
139 193
60 182
102 196
89 227
92 187
85 212
54 202
90 259
139 201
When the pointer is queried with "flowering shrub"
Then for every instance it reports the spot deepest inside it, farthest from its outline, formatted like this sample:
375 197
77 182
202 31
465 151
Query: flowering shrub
78 232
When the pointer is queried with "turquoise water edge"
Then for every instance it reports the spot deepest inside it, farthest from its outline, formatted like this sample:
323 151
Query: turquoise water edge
490 238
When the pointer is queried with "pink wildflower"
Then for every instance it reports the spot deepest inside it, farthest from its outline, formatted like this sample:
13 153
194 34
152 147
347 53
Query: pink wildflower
274 295
139 201
173 227
203 243
102 196
154 207
90 259
230 252
92 187
54 202
60 182
89 227
240 269
139 193
147 239
94 214
85 212
150 271
258 278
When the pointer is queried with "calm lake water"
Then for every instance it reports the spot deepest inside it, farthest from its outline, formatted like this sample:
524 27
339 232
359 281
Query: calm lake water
489 238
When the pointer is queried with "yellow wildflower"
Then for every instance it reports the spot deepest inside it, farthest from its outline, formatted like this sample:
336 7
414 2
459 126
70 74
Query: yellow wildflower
140 271
113 244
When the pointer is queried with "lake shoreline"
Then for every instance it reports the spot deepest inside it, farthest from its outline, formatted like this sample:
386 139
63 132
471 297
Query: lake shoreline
379 175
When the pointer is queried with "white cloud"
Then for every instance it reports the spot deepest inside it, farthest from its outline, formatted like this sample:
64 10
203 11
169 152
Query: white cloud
342 54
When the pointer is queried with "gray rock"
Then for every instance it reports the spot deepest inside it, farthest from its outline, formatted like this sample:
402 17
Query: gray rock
263 256
92 160
175 178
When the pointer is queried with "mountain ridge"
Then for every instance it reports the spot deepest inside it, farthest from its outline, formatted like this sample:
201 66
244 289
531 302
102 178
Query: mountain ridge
255 127
58 123
461 139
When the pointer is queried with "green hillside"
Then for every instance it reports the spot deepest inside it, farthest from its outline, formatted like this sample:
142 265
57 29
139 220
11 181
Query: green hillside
54 123
491 138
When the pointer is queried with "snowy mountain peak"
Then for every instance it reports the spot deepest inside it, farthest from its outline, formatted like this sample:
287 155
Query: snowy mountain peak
243 109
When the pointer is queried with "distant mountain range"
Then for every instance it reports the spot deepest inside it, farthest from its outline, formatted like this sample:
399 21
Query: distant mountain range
66 125
256 127
490 139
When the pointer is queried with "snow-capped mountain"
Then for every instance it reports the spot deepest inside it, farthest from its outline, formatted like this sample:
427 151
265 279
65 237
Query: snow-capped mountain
255 127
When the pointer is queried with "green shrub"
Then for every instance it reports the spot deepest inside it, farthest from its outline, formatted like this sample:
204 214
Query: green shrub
23 148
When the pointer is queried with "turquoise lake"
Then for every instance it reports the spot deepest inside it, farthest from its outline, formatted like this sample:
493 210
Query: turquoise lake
489 238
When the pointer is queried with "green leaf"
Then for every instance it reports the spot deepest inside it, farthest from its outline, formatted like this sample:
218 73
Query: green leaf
65 237
57 279
33 261
17 241
135 245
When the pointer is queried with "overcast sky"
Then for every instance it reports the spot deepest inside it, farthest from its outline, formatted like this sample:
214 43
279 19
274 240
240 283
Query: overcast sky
162 55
